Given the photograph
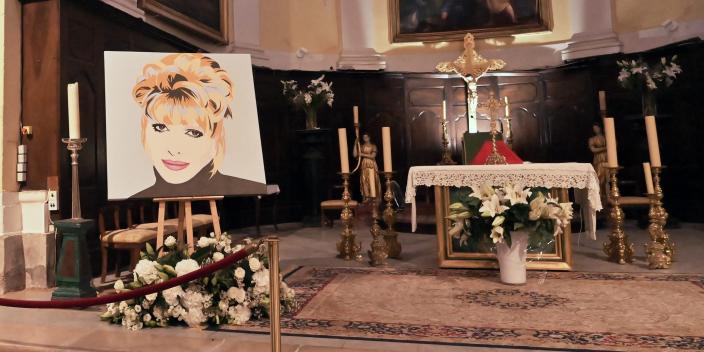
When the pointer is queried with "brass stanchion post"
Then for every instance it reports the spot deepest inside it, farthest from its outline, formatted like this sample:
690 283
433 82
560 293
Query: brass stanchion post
274 299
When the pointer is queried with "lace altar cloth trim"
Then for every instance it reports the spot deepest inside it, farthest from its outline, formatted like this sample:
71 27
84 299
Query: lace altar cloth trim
580 176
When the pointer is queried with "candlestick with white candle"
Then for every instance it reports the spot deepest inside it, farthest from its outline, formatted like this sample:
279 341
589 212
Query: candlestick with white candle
386 138
648 178
506 108
610 134
355 110
653 145
74 113
344 157
602 100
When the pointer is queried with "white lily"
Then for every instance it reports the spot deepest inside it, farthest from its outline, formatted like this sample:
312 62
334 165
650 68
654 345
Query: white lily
498 221
623 75
497 234
517 194
536 207
492 206
483 192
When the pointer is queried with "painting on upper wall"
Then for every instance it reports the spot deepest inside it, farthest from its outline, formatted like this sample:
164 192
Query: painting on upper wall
447 20
181 124
206 18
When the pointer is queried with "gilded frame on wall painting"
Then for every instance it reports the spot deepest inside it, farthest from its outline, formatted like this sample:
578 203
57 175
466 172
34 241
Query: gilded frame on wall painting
206 18
479 253
450 20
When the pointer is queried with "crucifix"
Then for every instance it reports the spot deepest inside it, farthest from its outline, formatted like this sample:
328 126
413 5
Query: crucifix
493 105
470 66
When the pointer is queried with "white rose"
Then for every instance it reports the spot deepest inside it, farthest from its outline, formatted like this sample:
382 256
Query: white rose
170 241
217 256
242 314
146 270
255 264
261 282
137 308
205 242
147 317
239 273
171 295
236 293
119 286
186 266
122 306
151 297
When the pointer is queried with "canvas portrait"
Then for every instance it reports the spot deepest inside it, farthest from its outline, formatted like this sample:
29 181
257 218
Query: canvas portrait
181 124
441 20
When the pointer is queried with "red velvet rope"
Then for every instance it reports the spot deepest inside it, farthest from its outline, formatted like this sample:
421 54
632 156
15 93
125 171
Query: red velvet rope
142 291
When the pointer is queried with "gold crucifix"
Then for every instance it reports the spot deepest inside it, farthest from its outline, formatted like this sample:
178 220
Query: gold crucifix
470 66
493 105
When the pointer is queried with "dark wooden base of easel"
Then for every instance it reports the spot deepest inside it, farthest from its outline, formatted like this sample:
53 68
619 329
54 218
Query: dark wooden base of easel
185 219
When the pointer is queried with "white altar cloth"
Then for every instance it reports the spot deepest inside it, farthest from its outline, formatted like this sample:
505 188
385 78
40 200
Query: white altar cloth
580 176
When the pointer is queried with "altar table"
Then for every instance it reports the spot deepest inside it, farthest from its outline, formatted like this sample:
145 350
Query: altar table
579 176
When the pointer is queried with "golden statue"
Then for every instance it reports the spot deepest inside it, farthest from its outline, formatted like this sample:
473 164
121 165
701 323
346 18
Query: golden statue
470 66
597 144
367 153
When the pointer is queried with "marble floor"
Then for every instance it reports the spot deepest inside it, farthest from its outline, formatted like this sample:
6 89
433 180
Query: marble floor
80 330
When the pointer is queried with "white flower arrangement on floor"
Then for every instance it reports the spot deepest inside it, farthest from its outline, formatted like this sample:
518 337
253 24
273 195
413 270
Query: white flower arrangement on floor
232 295
497 211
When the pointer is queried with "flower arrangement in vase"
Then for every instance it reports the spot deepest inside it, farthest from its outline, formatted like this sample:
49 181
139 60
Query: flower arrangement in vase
309 99
648 79
233 295
509 216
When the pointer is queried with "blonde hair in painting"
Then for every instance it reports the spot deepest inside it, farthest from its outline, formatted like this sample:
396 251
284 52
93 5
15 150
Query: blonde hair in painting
186 88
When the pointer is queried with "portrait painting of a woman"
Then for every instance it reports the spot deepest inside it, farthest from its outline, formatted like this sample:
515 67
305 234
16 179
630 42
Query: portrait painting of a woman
184 101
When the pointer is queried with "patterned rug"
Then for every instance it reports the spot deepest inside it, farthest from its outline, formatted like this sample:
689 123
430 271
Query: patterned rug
599 311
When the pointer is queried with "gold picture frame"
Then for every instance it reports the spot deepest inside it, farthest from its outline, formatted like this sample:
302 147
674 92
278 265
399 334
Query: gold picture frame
542 22
178 13
560 259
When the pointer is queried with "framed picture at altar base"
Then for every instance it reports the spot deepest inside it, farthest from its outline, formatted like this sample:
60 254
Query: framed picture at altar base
478 252
205 18
449 20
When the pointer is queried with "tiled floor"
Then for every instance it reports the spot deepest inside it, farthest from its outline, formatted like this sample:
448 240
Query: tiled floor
76 330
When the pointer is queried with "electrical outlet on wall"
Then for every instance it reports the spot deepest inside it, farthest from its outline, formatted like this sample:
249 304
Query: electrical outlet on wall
53 200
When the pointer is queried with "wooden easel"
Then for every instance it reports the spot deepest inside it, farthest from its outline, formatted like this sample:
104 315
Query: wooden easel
185 219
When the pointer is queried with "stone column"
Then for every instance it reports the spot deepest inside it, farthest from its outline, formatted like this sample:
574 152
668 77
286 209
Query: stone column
358 37
592 28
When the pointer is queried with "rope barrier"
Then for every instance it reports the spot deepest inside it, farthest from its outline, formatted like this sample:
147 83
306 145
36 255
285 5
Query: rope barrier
142 291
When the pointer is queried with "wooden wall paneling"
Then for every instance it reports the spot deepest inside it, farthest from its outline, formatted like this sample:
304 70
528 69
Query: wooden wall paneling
423 119
41 105
525 92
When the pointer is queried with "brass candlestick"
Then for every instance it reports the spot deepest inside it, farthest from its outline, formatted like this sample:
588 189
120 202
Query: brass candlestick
348 247
618 249
74 145
379 251
446 155
660 249
390 235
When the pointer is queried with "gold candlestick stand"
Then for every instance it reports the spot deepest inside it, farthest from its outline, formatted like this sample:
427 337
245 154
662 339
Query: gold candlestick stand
660 249
446 155
390 235
74 145
348 247
379 251
618 249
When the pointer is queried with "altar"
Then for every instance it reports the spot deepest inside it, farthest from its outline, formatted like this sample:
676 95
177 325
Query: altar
449 180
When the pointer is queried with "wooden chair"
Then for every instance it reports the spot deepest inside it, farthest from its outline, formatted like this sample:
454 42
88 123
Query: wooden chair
119 232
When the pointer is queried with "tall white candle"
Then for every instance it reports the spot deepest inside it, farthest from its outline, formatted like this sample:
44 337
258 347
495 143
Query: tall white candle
444 110
506 108
610 134
386 139
355 110
653 145
602 100
74 113
648 178
344 157
371 175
